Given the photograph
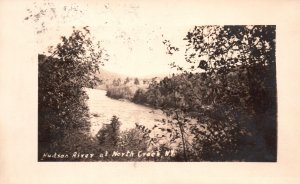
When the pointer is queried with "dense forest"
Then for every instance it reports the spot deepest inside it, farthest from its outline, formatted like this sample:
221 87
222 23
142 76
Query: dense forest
232 93
223 107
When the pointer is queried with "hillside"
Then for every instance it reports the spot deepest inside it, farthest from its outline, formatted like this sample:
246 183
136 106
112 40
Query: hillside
110 79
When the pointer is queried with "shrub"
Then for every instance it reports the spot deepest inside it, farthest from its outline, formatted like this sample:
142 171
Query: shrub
109 133
139 97
120 92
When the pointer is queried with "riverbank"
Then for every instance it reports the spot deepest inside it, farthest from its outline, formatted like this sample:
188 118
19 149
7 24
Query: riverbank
129 113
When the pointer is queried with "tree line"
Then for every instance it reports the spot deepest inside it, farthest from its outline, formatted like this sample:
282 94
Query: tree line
229 87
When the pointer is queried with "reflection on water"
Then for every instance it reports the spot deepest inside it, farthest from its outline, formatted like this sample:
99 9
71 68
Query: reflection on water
128 112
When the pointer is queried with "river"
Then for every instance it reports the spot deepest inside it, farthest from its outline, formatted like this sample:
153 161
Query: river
103 108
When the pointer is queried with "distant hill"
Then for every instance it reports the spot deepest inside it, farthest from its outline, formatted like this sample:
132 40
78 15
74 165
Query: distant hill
110 78
104 74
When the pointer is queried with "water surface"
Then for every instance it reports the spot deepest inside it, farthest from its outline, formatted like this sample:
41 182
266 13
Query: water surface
128 113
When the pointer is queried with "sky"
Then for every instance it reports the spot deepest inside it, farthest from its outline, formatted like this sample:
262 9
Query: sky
132 33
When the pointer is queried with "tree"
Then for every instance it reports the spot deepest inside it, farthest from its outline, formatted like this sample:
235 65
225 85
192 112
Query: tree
220 50
136 81
238 63
63 75
117 82
127 80
109 133
230 88
139 96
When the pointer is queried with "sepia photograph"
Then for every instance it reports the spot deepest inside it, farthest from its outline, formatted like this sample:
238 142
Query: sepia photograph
142 91
139 91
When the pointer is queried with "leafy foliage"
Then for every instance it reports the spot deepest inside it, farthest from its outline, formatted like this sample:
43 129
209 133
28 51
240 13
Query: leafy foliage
117 82
127 80
120 92
110 132
239 63
136 81
230 89
135 139
62 78
223 108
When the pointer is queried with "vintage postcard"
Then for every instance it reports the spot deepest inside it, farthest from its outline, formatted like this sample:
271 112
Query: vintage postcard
139 82
118 87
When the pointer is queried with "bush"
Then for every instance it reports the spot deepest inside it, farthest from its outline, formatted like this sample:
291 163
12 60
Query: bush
133 139
139 97
120 92
110 133
111 139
